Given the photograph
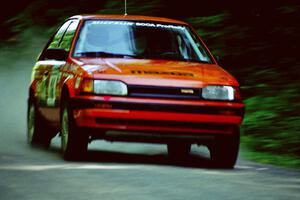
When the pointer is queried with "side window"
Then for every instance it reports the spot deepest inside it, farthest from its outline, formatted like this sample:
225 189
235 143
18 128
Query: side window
57 38
68 36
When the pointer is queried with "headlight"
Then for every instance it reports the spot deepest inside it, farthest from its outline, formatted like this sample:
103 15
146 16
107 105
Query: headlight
110 87
105 87
218 92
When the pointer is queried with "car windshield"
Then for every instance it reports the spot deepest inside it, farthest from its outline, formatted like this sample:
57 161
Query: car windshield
145 40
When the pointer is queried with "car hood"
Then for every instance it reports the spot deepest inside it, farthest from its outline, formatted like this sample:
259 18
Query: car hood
157 72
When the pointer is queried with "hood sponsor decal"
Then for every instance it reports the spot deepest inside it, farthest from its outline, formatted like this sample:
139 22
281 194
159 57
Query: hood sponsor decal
152 72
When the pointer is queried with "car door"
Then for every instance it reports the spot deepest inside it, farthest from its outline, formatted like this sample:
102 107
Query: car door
52 69
58 69
43 66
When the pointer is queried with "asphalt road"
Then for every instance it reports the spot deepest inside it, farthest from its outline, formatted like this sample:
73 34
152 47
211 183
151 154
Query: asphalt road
114 170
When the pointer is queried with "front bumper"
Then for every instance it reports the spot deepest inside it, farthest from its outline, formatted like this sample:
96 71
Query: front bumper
157 115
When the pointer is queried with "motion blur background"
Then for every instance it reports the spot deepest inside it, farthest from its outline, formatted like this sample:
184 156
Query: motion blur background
257 40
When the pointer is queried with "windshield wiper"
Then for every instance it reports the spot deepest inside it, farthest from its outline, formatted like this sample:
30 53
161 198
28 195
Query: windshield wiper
103 54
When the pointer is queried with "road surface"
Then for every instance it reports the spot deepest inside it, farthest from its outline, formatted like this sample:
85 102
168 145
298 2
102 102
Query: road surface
114 170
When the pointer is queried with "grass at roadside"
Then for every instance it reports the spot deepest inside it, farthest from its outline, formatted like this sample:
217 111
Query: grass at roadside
270 131
288 161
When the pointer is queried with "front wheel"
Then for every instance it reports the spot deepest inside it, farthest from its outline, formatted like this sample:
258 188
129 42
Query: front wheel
74 142
224 151
37 130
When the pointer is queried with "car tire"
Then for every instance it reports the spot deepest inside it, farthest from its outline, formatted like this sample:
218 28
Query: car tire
177 150
74 142
38 133
224 151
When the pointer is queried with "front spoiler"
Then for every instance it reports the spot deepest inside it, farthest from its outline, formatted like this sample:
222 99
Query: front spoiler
165 116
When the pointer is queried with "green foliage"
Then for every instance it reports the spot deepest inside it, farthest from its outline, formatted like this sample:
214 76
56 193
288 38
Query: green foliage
272 121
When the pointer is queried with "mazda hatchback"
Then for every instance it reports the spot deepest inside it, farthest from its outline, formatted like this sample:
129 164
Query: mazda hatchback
133 79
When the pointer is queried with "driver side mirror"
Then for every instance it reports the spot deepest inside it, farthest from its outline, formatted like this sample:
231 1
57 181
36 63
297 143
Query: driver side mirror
54 54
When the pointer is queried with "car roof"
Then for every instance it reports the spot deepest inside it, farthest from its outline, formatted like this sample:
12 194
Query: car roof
129 18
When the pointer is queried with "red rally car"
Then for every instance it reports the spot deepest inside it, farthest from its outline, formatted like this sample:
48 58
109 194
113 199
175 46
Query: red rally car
135 79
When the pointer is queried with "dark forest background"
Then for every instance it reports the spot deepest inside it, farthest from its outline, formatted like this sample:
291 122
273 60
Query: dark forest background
258 42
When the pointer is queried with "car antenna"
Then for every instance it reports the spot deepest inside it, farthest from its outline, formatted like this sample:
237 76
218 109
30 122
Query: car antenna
125 7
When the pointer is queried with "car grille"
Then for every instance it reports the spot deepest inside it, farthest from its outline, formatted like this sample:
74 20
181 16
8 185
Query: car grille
163 92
